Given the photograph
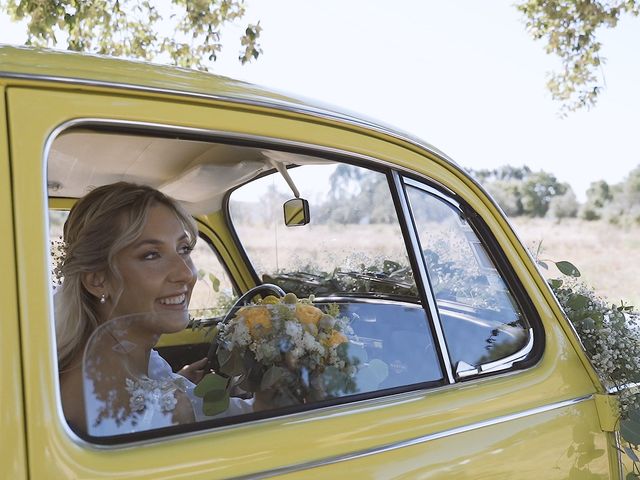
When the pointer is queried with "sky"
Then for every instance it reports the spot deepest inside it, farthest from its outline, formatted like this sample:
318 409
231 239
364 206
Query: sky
462 75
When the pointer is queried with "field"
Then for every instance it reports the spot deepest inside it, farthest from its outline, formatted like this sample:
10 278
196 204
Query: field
607 256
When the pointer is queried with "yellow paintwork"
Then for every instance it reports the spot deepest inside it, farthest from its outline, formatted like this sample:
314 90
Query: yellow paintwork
543 445
12 455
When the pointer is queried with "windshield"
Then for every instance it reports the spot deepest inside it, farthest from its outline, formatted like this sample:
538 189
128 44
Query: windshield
353 243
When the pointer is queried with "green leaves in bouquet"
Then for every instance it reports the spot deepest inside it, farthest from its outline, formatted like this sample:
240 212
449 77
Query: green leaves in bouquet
214 393
271 377
370 376
630 430
231 362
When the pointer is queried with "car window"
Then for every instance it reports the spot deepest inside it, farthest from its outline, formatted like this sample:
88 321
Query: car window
153 361
481 320
353 244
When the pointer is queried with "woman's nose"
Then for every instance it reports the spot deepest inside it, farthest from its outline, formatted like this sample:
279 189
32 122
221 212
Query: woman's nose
183 270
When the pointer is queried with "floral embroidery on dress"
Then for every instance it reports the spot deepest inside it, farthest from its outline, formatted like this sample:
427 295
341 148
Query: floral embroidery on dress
147 392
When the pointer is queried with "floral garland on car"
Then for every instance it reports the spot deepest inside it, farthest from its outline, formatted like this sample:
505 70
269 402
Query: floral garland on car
610 335
284 351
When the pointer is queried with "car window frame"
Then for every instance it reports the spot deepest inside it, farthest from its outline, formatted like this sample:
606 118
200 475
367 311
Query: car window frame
394 174
532 352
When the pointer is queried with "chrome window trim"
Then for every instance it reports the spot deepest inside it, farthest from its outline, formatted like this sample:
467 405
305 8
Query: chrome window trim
424 276
433 191
416 440
508 361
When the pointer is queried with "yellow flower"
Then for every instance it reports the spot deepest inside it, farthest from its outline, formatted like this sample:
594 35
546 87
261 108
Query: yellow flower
308 313
335 339
258 320
270 300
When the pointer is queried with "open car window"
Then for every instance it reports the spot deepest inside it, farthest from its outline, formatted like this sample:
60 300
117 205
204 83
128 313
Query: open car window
350 327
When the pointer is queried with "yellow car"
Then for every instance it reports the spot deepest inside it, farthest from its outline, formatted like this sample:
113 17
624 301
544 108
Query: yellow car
404 331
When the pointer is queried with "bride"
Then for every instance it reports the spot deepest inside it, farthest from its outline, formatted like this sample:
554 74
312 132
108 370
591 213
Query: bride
127 279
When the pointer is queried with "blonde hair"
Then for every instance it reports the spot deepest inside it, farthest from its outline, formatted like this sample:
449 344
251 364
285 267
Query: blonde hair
101 224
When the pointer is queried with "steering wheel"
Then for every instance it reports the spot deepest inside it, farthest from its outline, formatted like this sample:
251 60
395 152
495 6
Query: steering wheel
241 302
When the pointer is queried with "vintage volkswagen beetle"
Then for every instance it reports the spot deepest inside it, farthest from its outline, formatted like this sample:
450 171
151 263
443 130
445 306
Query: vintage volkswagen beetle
477 372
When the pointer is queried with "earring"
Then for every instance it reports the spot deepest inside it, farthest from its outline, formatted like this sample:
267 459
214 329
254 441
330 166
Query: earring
103 299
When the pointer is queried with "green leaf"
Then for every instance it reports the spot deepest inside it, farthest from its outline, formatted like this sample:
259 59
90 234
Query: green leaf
631 453
568 269
632 476
215 282
234 364
630 427
543 264
271 377
380 369
214 403
389 266
555 283
578 302
209 383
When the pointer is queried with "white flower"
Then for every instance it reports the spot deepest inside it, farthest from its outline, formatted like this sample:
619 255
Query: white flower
168 401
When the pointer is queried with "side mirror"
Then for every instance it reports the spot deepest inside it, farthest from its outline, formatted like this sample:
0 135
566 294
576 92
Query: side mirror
296 212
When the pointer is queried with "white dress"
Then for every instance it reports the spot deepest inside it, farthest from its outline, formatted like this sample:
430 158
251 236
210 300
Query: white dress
151 402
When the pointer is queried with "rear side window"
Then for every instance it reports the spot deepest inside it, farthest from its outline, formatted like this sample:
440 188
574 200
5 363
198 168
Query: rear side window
482 322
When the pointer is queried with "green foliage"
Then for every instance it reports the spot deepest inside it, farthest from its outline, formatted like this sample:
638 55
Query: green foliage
610 334
521 192
387 278
569 28
134 29
618 204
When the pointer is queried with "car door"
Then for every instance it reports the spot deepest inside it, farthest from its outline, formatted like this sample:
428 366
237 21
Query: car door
528 421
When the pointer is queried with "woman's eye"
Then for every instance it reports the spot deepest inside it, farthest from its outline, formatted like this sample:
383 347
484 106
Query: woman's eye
150 256
185 249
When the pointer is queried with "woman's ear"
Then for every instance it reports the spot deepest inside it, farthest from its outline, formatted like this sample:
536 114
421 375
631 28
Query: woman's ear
95 283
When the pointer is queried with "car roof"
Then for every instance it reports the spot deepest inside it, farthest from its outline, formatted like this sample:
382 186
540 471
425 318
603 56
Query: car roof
89 69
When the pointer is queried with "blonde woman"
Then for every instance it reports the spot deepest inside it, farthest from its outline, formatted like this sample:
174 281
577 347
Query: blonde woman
127 279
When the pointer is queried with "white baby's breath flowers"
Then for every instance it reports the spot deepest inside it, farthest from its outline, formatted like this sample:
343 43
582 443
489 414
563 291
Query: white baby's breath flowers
611 337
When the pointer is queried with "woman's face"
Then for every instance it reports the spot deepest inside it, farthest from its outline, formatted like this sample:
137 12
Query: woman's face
157 272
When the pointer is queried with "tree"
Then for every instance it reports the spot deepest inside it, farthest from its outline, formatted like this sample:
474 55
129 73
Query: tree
520 191
130 28
624 207
598 195
569 28
563 206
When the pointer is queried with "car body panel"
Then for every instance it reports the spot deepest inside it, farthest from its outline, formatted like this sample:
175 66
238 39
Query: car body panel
487 427
14 460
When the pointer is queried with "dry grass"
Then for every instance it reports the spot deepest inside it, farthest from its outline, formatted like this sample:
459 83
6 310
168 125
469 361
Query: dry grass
607 256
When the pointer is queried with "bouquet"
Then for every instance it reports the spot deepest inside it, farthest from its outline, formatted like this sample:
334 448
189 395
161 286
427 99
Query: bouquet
283 351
